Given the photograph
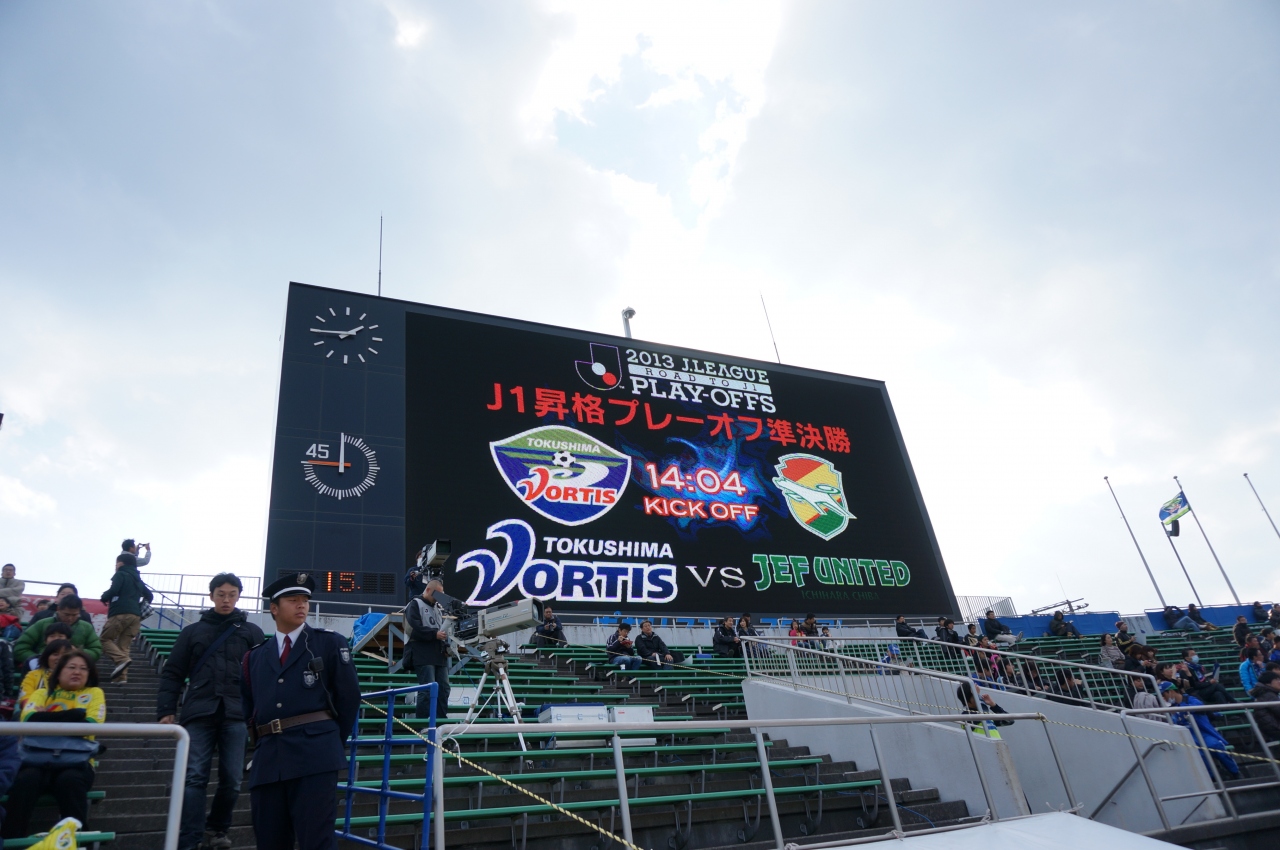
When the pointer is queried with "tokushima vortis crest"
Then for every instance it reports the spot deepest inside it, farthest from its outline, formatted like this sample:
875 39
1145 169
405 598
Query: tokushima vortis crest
814 494
565 475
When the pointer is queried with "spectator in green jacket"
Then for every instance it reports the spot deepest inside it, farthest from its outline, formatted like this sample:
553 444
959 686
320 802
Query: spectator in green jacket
28 647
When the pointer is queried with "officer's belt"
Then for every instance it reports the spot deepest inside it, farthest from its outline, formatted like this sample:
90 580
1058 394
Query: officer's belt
275 727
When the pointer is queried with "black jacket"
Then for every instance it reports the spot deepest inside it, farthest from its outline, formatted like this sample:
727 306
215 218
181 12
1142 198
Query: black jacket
1268 718
723 644
649 645
993 628
217 682
424 648
550 628
904 630
126 589
1241 632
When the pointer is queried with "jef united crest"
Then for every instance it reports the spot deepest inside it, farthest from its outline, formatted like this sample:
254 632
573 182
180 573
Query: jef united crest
814 494
565 475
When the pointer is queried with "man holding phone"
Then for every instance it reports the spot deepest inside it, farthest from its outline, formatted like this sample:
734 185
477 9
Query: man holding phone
549 632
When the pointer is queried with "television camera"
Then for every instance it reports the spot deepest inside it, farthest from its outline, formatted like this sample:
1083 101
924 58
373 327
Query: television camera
430 561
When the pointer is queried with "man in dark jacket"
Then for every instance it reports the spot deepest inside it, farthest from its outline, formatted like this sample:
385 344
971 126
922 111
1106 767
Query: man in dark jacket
1241 630
998 632
1059 626
64 590
1267 690
904 631
653 649
549 632
1123 639
206 658
124 614
427 652
70 610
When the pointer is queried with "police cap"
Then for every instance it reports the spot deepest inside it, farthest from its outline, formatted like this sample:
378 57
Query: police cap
289 584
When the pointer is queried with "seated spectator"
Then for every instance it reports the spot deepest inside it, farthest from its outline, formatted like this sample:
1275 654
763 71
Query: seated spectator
28 647
725 641
1251 643
64 590
73 695
1008 676
1241 631
1213 739
1267 640
1267 690
549 632
1273 618
1259 612
1032 679
901 628
621 651
894 657
1251 669
1275 653
971 639
1110 655
940 629
1059 626
794 632
1193 613
653 650
1069 690
745 629
1124 640
983 705
1141 659
998 632
1175 619
11 590
809 628
1143 698
948 635
1208 689
38 679
828 643
1167 671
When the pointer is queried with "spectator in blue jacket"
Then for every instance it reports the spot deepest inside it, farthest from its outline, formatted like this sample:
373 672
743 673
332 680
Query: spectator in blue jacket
1250 669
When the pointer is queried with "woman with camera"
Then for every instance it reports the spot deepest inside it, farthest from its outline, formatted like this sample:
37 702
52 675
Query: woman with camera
61 766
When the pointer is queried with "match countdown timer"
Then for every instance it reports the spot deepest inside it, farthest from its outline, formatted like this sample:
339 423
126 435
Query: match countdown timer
732 503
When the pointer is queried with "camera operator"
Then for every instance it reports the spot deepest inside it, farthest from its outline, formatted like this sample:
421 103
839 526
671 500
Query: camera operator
415 581
550 632
427 651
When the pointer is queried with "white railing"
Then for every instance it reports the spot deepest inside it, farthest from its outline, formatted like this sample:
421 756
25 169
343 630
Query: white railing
1106 688
758 728
126 730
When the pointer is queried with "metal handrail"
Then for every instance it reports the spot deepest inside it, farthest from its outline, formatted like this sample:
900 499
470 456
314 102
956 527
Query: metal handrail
757 728
126 730
1221 789
384 792
1049 664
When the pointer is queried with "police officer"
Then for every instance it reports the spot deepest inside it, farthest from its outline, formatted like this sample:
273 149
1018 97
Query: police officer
301 697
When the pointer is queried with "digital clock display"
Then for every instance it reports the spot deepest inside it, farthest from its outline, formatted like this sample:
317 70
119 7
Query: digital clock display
341 581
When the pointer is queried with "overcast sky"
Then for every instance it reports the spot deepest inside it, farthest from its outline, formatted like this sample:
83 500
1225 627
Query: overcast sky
1052 229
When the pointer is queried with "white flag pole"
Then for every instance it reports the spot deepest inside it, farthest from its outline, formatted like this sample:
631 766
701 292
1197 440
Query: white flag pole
1150 575
1264 507
1183 491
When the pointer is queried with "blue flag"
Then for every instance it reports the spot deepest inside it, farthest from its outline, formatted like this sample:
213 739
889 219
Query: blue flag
1174 508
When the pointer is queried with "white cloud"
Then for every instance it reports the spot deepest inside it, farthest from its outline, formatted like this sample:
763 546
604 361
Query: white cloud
19 499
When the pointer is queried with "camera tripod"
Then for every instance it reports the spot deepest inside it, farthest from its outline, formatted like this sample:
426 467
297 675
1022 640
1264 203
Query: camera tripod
495 666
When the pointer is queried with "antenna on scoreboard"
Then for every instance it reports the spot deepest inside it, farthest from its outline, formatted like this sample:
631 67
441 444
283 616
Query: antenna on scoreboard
379 256
770 324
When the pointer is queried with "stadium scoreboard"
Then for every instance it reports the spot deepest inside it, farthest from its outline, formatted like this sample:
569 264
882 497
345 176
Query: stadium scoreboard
593 472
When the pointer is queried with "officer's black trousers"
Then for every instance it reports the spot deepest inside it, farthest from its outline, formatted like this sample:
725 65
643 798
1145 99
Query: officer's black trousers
303 808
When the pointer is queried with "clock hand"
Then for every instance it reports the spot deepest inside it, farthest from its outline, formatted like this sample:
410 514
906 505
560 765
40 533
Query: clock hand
323 331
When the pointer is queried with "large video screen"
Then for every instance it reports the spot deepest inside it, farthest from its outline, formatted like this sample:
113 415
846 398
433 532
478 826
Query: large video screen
621 475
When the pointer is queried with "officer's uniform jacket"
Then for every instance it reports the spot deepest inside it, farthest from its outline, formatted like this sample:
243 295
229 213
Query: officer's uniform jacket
271 692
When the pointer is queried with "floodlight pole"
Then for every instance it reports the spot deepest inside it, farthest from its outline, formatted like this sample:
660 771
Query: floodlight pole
1183 491
1264 507
627 315
1177 555
1150 575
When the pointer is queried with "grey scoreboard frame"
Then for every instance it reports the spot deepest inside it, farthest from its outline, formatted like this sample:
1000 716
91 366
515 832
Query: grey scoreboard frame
359 542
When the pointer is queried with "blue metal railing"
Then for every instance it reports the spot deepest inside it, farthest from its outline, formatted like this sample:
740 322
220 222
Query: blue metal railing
384 792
